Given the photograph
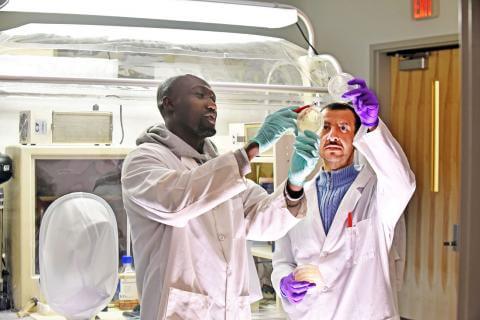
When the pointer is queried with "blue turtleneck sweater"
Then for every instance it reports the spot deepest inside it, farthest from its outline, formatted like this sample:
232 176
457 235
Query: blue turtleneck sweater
331 187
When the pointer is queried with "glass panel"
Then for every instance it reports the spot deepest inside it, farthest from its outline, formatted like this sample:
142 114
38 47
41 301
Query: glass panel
57 177
113 52
51 67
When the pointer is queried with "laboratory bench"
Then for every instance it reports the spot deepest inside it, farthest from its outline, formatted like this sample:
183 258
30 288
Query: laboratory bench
264 313
109 315
265 309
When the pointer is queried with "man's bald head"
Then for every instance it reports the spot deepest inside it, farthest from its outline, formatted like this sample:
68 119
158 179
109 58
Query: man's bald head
188 107
170 87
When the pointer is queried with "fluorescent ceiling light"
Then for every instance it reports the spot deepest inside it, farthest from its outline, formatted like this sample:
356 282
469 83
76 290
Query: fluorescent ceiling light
242 13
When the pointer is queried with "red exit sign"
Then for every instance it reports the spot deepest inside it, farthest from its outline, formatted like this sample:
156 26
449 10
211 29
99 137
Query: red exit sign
424 9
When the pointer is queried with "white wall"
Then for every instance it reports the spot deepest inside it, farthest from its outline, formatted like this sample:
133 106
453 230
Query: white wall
347 28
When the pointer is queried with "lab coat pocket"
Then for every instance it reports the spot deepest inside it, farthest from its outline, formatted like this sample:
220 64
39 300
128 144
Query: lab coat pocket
349 246
362 242
187 305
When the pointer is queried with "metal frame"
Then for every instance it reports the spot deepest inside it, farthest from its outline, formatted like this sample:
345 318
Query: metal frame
146 83
380 64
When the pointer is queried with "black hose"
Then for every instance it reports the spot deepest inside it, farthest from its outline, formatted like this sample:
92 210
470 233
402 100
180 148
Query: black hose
305 37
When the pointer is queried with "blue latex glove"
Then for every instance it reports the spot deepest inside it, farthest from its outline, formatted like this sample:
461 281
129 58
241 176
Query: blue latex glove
275 126
305 157
294 291
365 102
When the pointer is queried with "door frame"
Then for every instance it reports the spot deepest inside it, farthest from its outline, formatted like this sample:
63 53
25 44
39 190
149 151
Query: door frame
469 284
380 64
380 76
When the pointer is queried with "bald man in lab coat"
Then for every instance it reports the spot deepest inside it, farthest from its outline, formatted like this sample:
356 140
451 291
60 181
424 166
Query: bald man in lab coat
348 234
191 209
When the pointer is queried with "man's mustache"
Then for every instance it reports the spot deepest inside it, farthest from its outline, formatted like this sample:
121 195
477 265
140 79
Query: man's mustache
333 143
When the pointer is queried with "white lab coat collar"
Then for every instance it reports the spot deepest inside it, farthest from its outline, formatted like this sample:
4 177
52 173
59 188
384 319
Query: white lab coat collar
188 162
347 205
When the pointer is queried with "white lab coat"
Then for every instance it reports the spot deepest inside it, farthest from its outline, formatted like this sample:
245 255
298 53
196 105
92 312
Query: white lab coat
398 251
190 223
355 262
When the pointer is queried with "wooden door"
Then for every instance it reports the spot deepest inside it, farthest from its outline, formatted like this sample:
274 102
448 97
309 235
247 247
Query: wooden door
431 274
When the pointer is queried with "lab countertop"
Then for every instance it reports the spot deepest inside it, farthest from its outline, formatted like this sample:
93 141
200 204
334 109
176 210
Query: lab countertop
8 315
267 314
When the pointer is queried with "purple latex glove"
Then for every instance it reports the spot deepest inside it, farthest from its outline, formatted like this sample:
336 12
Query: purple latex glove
293 290
365 102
